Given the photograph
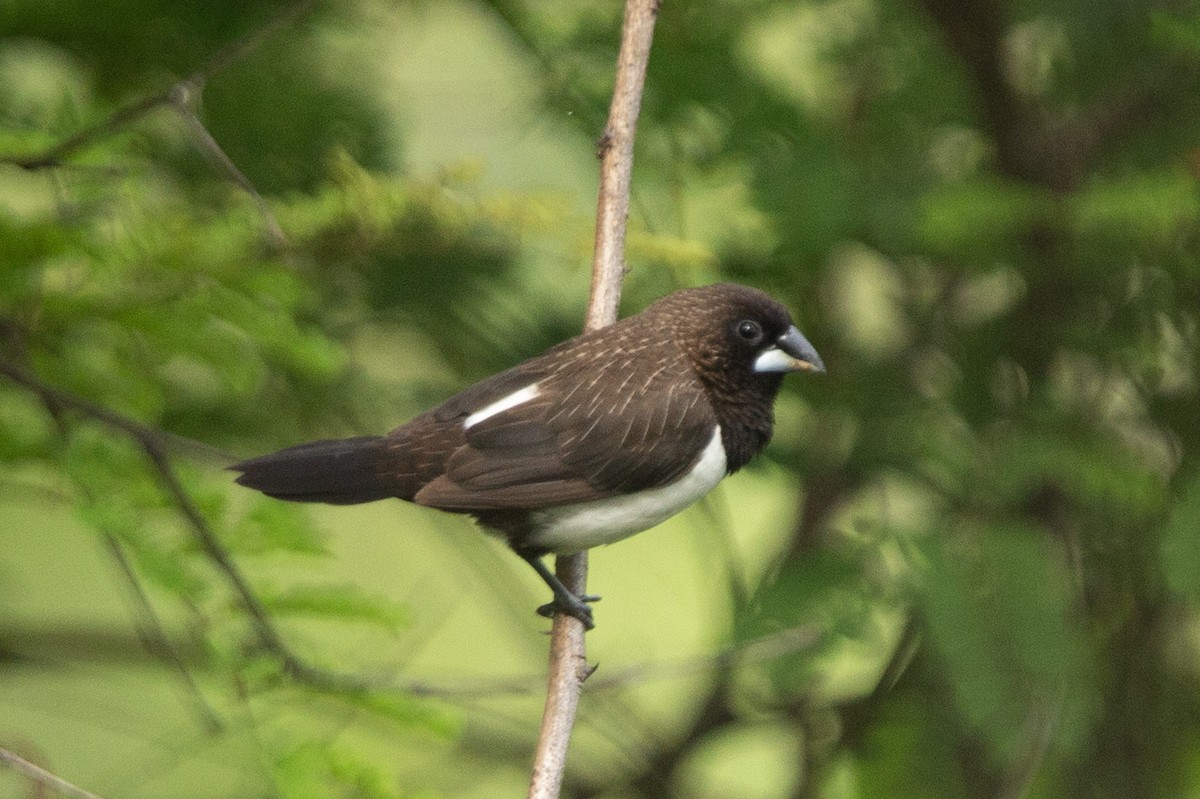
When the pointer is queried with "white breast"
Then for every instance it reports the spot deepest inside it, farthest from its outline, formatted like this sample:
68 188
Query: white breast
573 528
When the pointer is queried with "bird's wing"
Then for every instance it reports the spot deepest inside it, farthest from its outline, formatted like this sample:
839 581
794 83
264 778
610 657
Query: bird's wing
584 431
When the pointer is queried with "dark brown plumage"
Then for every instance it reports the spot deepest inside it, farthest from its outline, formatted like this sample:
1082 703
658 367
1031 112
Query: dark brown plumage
598 438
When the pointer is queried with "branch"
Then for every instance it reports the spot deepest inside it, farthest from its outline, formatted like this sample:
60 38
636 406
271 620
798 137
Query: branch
20 643
155 639
223 59
130 427
154 445
974 31
754 650
181 97
1031 144
568 658
184 101
42 777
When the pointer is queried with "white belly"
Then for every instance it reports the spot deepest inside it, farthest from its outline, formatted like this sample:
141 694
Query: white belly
573 528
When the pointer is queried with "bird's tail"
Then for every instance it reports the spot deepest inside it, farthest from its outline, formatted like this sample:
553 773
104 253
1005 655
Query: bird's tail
339 472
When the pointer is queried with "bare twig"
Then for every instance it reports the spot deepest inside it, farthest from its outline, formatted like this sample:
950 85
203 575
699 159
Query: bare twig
615 149
154 445
180 96
42 777
755 650
184 101
220 61
155 639
568 657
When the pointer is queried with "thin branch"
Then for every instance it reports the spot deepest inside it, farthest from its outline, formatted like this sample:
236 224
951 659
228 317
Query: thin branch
615 149
755 650
181 97
519 19
113 124
223 59
715 712
42 777
154 445
183 100
240 49
1031 143
131 427
155 639
568 657
88 645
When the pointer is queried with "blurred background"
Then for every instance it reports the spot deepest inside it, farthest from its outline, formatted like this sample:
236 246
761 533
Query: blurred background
967 566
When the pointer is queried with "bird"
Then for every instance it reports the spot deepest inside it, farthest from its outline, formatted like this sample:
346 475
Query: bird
600 437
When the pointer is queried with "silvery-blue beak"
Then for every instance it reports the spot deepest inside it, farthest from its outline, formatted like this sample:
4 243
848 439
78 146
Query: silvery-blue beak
791 352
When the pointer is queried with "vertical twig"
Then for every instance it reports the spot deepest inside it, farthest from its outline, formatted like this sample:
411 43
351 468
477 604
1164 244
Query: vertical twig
568 658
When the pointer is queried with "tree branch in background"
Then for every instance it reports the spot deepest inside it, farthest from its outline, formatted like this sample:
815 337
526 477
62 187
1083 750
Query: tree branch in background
568 657
754 650
182 97
154 445
135 110
1033 144
42 778
154 638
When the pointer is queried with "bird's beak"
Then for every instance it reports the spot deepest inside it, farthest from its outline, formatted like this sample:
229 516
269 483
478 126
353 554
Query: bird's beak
791 352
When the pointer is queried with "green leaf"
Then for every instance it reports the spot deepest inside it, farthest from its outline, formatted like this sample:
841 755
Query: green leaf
1091 469
155 552
346 603
908 753
25 428
317 770
272 526
825 591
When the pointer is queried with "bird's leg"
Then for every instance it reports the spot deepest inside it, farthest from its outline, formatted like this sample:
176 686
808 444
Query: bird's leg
564 600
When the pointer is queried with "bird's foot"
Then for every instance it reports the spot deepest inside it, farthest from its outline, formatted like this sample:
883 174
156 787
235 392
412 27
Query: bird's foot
571 605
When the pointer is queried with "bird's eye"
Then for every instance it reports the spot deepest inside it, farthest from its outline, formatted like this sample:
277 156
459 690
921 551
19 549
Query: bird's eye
749 331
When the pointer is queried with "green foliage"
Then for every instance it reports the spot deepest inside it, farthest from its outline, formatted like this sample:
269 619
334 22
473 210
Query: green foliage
344 603
985 217
275 527
1181 543
998 609
313 771
906 755
979 217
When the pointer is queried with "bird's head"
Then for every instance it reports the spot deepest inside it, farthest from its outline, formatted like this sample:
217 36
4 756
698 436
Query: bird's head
736 334
741 343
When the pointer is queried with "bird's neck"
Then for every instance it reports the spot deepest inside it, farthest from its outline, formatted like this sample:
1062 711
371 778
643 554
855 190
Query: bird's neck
744 410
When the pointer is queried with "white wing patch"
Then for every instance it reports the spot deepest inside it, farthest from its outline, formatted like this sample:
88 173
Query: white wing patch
501 405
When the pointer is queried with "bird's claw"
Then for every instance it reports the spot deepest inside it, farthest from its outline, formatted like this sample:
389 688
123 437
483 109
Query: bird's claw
572 606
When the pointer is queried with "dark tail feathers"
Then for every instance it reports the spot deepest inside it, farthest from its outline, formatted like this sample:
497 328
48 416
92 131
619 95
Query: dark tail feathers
340 472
